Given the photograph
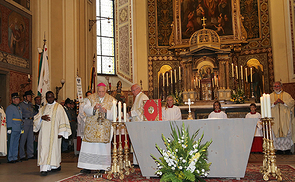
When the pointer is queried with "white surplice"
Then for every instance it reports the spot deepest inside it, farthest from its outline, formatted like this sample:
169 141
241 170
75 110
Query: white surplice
137 108
49 145
3 133
171 114
258 130
217 115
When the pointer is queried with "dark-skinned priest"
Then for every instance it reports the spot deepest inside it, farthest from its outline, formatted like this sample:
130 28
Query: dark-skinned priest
53 124
95 153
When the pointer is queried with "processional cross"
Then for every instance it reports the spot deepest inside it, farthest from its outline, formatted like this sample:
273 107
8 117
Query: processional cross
190 117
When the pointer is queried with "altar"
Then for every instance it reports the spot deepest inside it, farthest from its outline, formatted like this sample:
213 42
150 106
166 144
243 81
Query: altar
201 110
229 151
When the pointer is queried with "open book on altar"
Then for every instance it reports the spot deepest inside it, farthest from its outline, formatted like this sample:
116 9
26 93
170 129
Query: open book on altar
152 110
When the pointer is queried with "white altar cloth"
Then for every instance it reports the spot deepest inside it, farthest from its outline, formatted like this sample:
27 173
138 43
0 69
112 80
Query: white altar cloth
229 151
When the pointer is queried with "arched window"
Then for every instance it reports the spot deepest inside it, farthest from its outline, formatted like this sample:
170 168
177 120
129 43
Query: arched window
105 37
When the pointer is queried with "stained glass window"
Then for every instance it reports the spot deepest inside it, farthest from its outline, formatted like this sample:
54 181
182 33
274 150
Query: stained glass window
105 37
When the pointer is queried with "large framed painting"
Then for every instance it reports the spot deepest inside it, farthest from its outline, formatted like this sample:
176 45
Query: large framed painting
15 38
222 16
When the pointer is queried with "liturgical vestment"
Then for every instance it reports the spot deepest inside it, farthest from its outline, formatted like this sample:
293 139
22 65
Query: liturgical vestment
95 155
217 115
49 145
3 133
283 117
137 108
171 114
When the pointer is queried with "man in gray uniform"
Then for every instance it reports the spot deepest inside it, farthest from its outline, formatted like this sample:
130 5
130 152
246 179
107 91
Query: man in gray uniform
14 127
28 135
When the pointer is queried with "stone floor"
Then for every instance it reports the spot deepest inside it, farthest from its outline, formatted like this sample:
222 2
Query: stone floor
28 171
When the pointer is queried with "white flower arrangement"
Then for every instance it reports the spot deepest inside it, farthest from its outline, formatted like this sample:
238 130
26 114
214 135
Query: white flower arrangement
185 158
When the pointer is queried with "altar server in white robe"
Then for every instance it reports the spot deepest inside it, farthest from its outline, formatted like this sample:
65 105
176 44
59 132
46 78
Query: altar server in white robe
52 123
258 136
137 108
217 113
170 112
95 153
3 133
282 108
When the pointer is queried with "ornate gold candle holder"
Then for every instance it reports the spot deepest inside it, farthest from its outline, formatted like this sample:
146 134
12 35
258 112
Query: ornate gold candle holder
119 167
269 159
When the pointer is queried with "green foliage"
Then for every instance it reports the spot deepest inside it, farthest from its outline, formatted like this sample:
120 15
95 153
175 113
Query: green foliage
184 158
178 98
238 97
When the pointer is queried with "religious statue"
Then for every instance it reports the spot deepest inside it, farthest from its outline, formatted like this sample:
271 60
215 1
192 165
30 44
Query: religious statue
118 94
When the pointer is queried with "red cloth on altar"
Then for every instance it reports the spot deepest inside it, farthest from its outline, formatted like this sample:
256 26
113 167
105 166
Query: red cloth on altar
257 144
152 110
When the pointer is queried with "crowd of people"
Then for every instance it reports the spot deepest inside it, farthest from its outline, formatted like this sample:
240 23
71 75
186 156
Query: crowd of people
36 131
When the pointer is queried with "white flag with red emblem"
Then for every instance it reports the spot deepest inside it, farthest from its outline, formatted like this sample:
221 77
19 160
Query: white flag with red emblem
44 82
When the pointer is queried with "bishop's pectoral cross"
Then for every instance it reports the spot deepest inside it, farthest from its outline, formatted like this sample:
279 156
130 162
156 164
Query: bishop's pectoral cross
189 104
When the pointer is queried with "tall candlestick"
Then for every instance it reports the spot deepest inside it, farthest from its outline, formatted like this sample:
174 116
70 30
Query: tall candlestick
264 105
175 75
216 81
194 83
242 76
167 79
179 73
212 82
163 79
251 75
171 76
114 111
119 111
232 70
237 73
199 83
246 75
124 112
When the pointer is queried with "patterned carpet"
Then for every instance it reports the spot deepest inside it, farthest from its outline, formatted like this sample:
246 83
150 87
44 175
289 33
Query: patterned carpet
252 174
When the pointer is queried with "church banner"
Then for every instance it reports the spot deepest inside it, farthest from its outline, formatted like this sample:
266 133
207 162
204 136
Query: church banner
152 110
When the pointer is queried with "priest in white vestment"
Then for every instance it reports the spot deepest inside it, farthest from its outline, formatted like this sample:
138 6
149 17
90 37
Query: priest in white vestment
137 108
95 153
3 133
282 106
217 113
171 112
52 123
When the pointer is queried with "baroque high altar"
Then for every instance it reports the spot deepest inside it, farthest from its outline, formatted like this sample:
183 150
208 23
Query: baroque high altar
205 55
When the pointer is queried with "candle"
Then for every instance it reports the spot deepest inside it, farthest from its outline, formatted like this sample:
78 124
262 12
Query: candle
232 70
163 79
124 112
119 111
194 83
175 75
216 81
114 111
261 107
29 76
246 75
167 79
242 73
237 72
268 106
171 76
199 83
179 73
251 75
264 105
212 82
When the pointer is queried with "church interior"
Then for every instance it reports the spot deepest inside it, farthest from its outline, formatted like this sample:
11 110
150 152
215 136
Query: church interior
195 50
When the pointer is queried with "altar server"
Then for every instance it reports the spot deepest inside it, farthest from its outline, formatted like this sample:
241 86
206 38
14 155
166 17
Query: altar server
217 113
3 133
258 136
170 112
